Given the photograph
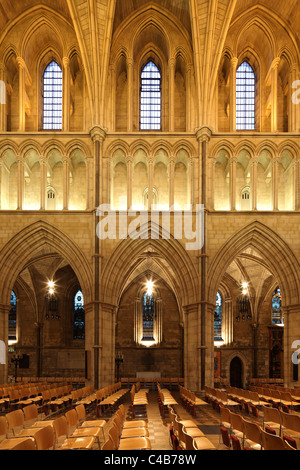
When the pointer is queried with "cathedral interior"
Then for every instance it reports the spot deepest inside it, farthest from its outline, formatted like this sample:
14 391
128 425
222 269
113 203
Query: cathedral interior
150 191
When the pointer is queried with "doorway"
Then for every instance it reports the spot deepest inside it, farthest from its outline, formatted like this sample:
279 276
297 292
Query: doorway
236 372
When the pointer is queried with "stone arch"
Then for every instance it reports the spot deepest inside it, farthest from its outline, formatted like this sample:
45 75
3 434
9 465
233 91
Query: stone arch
272 249
21 247
171 257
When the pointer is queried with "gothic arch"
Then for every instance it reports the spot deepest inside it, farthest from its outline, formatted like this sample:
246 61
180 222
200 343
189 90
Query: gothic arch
280 258
21 247
170 255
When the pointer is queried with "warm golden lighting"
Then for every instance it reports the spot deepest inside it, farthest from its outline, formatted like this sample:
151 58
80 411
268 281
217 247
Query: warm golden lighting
149 287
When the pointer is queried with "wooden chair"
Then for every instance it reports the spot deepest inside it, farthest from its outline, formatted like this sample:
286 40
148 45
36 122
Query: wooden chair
290 425
135 443
31 414
15 420
3 428
272 418
60 426
45 438
108 445
136 423
129 433
95 423
273 442
18 443
74 430
252 435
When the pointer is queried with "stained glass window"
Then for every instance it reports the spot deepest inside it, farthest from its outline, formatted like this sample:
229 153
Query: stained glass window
277 317
78 316
12 318
218 318
52 109
150 99
148 316
245 97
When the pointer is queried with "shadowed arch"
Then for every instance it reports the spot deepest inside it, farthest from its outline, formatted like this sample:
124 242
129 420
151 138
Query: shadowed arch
22 247
170 256
281 260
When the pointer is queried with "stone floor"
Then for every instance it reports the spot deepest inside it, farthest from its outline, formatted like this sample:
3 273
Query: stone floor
207 419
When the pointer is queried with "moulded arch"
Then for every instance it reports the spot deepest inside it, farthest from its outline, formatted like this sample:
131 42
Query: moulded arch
21 248
118 145
51 145
172 255
7 144
280 259
30 145
262 24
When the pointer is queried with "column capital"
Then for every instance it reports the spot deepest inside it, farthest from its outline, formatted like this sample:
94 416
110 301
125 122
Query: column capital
21 62
203 134
275 63
234 62
98 134
66 61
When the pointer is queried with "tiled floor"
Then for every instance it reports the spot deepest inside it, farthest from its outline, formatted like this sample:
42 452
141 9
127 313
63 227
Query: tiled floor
158 426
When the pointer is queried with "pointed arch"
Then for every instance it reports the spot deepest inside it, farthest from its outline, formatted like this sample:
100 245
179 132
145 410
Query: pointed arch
170 256
281 260
21 248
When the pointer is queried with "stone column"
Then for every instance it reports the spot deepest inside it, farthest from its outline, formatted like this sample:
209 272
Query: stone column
3 109
43 169
97 135
254 183
22 91
66 183
113 97
171 181
129 94
274 92
4 309
66 94
232 111
188 87
291 342
275 184
233 184
129 182
171 94
150 182
192 347
296 183
20 183
107 323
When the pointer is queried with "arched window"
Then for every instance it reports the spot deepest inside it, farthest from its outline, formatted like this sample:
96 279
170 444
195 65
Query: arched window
150 98
245 97
12 318
218 318
78 316
148 317
277 317
52 93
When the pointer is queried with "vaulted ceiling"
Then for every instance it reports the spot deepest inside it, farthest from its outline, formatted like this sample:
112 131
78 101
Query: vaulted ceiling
208 23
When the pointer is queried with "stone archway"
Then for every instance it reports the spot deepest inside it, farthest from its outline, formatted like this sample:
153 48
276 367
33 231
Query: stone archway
281 262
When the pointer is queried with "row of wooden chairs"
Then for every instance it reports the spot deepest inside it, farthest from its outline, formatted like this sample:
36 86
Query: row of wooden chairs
280 398
69 431
239 433
127 435
185 434
165 399
190 401
109 398
138 401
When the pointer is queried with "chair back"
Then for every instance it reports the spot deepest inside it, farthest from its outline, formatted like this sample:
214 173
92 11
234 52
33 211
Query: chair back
252 431
60 426
237 422
3 426
290 421
15 420
80 409
272 442
72 419
114 436
108 445
30 412
189 441
24 444
45 438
